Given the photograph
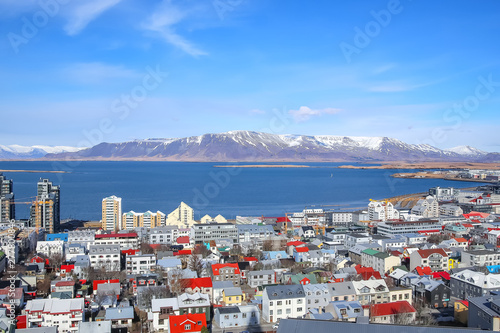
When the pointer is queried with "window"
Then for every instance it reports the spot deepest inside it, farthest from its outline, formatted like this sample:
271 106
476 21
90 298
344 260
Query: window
243 315
160 322
271 303
279 303
299 309
187 327
226 317
288 311
279 312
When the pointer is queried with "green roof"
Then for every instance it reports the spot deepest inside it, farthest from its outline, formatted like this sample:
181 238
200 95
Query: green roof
370 252
382 255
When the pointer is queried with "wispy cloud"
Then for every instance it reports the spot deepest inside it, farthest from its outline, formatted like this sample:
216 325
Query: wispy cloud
305 113
97 72
163 21
85 12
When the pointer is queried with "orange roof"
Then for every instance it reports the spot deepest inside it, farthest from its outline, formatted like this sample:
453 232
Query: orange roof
217 267
427 253
461 240
388 309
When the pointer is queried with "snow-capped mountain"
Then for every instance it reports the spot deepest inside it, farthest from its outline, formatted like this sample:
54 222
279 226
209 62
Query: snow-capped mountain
467 151
257 146
27 152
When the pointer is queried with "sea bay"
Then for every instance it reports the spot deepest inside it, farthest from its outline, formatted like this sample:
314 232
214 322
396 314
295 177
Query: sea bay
229 191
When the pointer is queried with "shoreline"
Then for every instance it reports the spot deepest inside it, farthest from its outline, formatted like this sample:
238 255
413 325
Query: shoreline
36 171
427 165
262 166
421 175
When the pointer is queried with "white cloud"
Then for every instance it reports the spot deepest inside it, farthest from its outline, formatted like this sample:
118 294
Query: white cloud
85 12
162 22
305 113
97 72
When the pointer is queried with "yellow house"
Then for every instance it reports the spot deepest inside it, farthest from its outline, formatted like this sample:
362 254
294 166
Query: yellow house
453 263
461 311
233 296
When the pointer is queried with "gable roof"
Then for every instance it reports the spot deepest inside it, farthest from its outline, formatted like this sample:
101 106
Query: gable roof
216 268
177 324
389 309
427 253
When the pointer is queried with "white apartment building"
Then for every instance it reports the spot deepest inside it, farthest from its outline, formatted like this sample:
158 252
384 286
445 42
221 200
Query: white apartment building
382 211
126 241
450 210
428 207
389 228
50 248
140 264
163 235
283 301
112 213
105 256
84 237
64 314
341 218
480 258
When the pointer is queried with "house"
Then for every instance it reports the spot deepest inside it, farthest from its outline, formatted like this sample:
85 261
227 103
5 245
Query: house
299 279
145 280
272 255
400 312
342 291
468 283
371 291
380 261
194 303
187 323
434 293
484 313
125 241
120 316
65 314
307 232
260 278
427 208
356 238
317 296
198 285
300 254
140 264
50 248
232 296
345 310
461 311
283 301
63 287
237 316
105 256
436 259
164 308
226 272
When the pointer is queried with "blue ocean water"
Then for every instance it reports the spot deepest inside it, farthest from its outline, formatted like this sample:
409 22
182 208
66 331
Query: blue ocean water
209 190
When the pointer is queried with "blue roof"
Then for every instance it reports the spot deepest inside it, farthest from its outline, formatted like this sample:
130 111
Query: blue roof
60 236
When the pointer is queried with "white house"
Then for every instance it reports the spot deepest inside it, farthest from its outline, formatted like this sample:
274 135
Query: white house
283 301
65 314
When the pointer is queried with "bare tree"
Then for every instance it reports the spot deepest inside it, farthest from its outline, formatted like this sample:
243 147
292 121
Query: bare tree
102 296
195 264
146 248
147 294
56 261
267 245
175 278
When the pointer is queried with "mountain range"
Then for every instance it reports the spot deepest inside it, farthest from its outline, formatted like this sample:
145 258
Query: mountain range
27 152
257 146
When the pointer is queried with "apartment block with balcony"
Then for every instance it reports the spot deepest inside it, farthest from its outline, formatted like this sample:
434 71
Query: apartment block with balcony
436 259
140 264
65 314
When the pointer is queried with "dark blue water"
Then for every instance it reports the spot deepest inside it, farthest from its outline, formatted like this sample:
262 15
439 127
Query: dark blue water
227 191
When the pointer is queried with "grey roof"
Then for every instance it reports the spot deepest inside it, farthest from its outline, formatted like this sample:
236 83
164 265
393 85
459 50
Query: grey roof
233 291
51 329
328 326
126 312
284 292
263 272
228 309
222 284
341 288
484 303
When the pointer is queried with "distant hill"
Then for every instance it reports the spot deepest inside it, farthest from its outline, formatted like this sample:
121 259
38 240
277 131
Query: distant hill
29 152
257 146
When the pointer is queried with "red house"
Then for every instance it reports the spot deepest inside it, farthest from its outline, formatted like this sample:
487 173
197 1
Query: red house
187 323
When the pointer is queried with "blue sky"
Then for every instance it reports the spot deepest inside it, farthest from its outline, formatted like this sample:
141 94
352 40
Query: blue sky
80 72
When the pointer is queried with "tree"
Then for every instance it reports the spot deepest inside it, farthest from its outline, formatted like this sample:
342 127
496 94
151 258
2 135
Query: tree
146 248
56 261
267 245
204 329
195 264
174 280
147 294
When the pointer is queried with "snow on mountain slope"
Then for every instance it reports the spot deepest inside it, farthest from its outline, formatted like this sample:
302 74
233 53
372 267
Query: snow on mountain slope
467 150
18 151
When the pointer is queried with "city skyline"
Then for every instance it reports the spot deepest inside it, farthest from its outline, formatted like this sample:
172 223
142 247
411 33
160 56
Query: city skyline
129 70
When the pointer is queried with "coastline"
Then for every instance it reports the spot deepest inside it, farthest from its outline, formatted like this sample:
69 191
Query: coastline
427 165
36 171
262 166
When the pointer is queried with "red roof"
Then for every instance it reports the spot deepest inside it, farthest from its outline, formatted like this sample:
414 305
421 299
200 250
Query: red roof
183 240
95 283
295 243
217 267
367 272
476 214
204 282
65 283
393 308
423 270
117 235
427 253
130 252
429 231
466 303
189 322
467 225
182 253
250 259
301 249
67 268
282 219
21 322
441 275
461 240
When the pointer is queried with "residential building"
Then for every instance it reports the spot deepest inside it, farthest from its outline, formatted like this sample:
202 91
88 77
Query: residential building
356 238
382 211
7 206
428 207
120 317
132 220
204 232
163 235
345 310
393 313
187 323
282 301
249 232
434 293
65 314
182 216
388 228
341 218
371 291
84 237
50 248
317 296
342 291
450 210
201 285
45 210
112 213
227 272
261 278
194 303
237 316
105 256
436 259
140 264
380 261
480 258
484 313
126 241
461 311
468 283
232 296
